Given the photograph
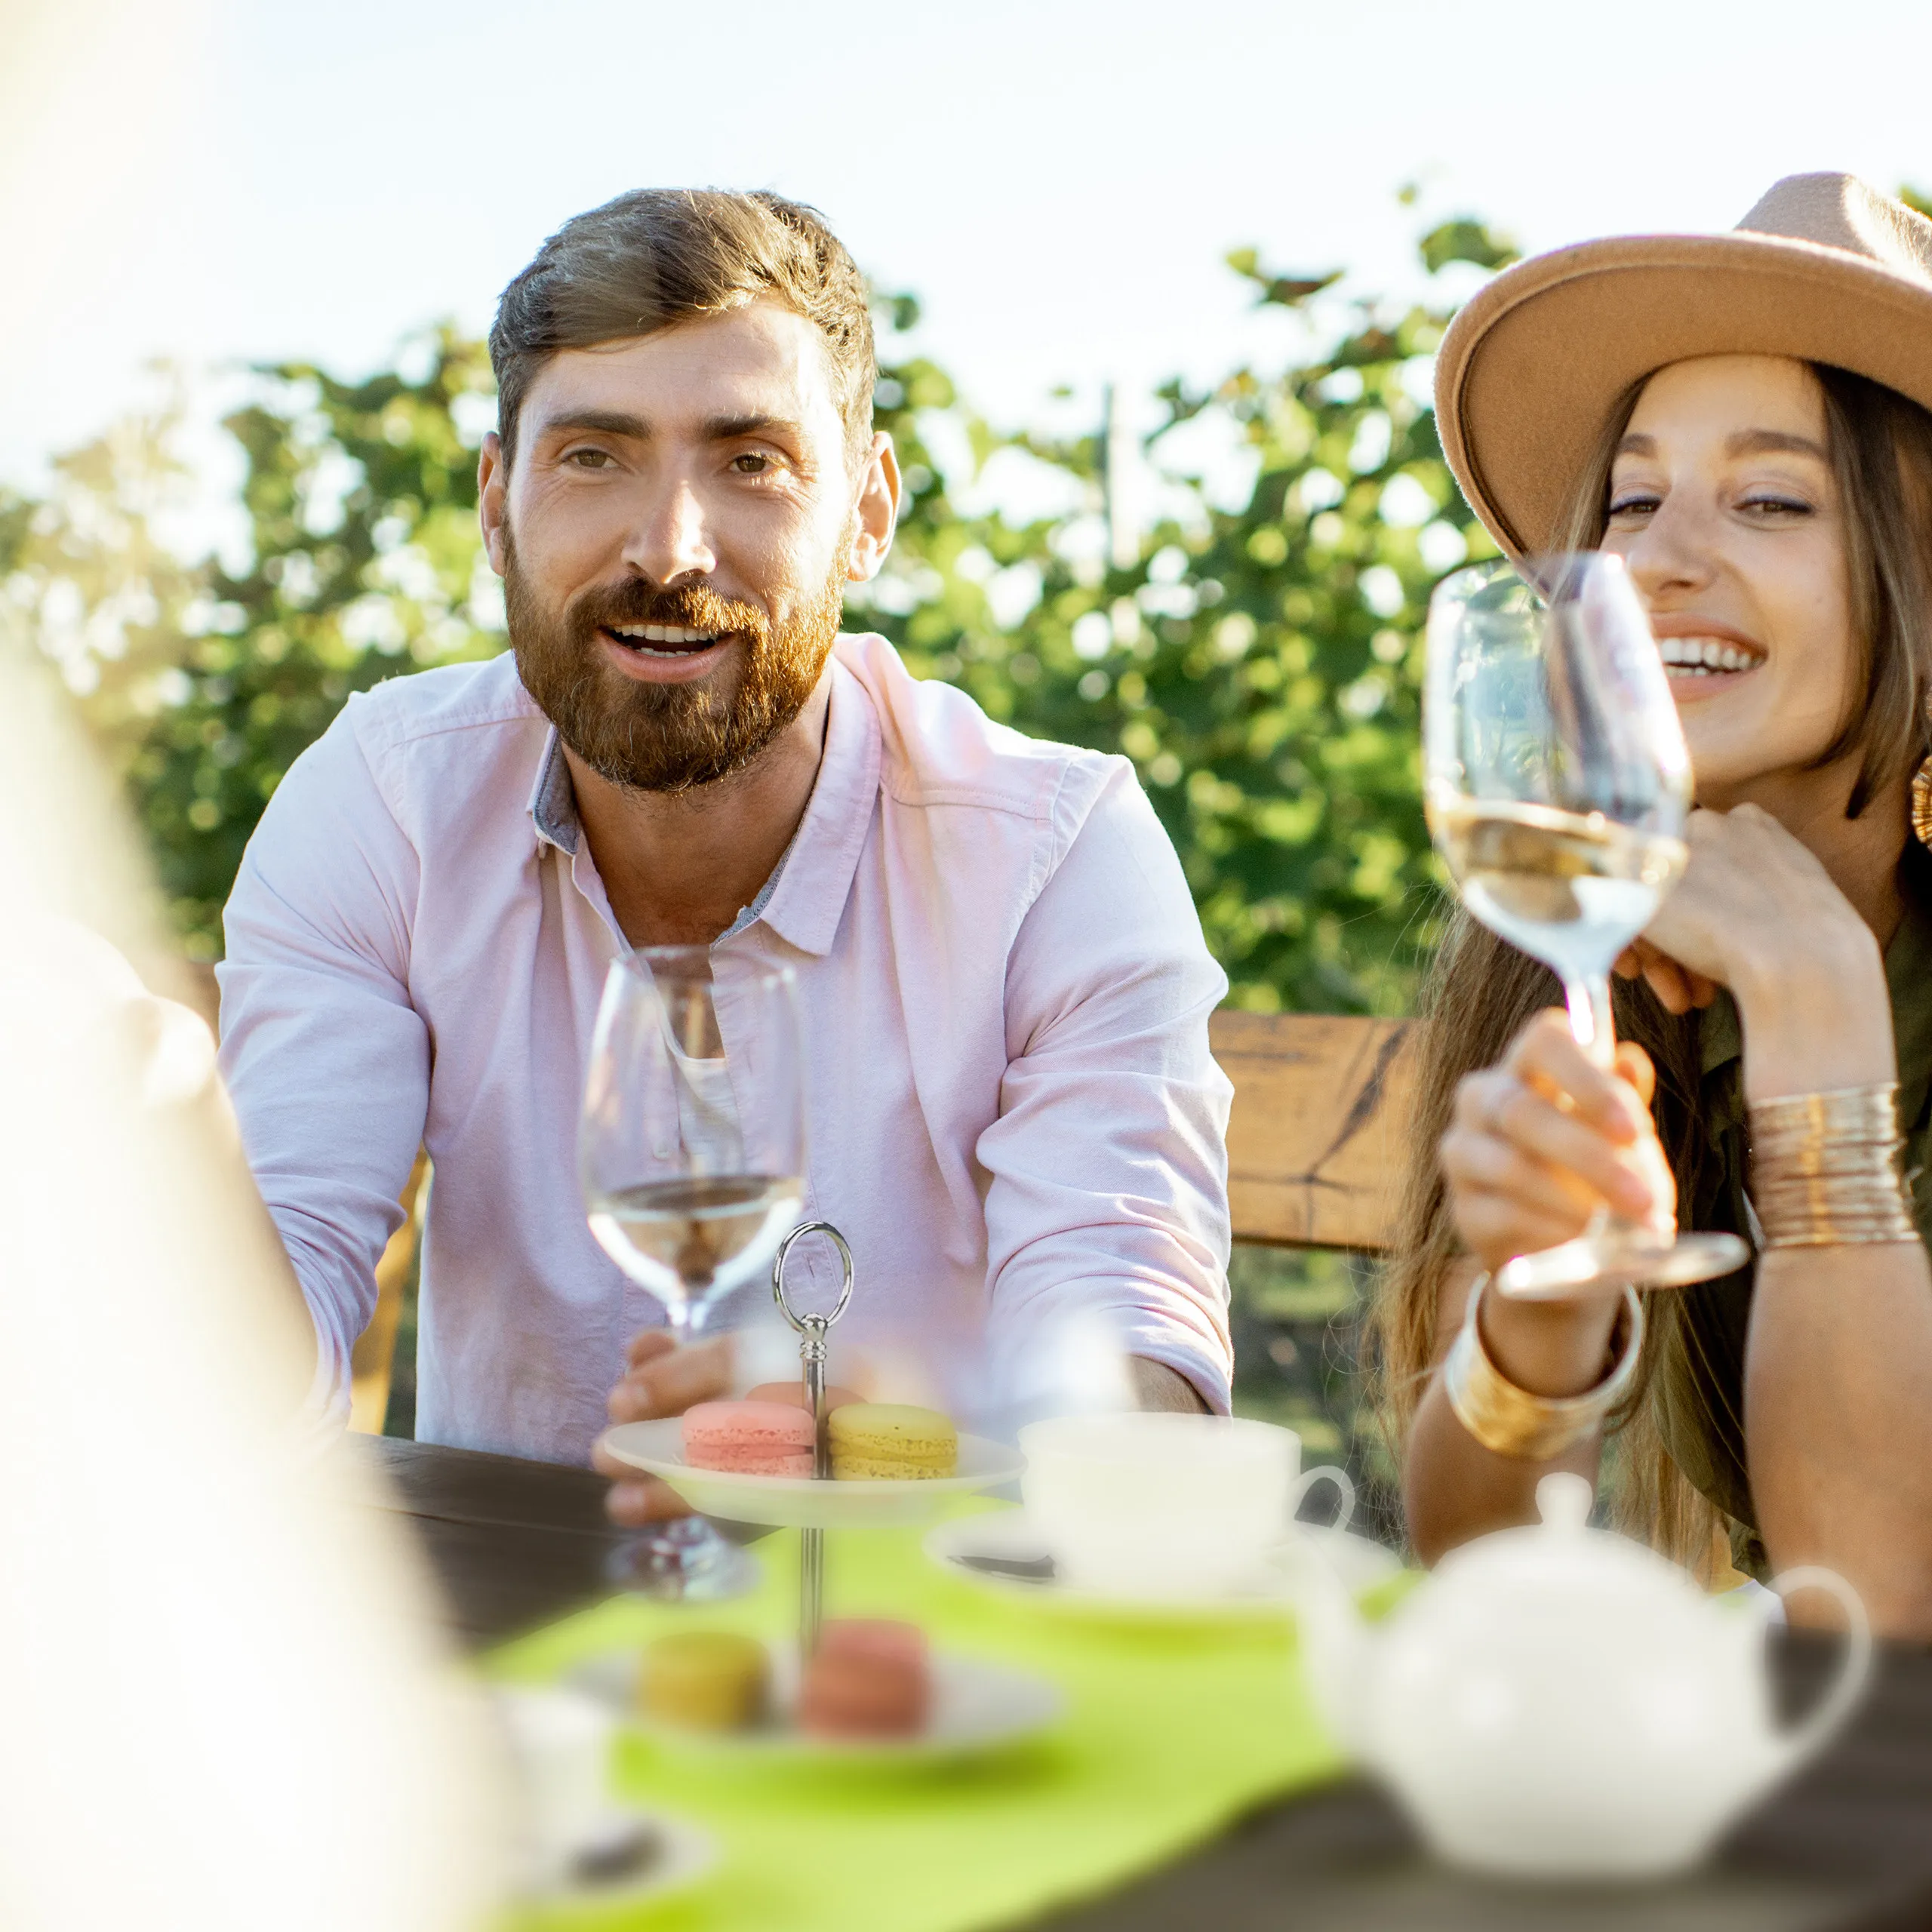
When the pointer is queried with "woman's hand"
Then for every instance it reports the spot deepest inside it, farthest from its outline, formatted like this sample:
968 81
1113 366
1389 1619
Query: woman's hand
1536 1145
1756 912
1538 1142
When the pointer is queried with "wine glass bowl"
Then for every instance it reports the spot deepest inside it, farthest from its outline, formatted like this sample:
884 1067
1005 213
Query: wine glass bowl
691 1152
1557 786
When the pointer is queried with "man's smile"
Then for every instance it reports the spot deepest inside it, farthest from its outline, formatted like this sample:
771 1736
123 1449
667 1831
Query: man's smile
679 635
662 654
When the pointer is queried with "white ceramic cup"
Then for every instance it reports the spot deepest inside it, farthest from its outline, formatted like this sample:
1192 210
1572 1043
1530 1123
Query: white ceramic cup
560 1742
1166 1505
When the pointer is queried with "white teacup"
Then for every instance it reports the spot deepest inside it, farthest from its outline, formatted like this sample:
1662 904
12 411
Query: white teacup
1166 1505
560 1742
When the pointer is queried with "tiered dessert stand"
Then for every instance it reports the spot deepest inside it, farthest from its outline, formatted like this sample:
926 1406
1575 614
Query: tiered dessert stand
811 1504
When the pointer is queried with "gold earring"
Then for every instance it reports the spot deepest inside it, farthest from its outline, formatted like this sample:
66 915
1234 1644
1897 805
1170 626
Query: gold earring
1922 802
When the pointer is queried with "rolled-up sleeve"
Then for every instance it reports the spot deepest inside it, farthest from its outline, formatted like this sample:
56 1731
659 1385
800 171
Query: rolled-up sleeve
1107 1209
327 1060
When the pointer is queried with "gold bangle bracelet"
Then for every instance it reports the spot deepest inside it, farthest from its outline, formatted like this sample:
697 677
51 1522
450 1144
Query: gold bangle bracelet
1825 1170
1511 1421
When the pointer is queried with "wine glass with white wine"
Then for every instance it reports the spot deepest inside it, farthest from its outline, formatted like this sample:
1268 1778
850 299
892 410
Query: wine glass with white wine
1556 784
691 1151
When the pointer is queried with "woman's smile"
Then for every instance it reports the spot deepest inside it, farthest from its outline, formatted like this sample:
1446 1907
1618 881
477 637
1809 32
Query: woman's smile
1702 657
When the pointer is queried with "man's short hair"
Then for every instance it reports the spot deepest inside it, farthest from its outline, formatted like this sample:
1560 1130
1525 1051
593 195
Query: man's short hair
661 256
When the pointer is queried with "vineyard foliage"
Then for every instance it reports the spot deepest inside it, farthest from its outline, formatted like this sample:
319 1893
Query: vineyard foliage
1254 649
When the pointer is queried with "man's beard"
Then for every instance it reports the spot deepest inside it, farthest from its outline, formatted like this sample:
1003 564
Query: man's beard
667 737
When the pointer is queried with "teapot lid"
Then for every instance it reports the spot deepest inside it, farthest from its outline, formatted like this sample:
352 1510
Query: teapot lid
1562 1559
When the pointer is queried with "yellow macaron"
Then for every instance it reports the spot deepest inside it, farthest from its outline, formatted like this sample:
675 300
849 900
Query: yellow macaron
890 1440
704 1680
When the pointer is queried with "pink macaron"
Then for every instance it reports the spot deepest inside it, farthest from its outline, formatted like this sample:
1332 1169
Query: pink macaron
749 1439
867 1678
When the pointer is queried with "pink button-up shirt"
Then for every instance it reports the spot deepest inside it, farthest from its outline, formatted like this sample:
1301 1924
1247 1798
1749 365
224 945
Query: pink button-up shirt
1012 1114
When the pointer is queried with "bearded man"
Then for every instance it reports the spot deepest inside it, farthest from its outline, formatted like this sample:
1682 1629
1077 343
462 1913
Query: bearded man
1013 1116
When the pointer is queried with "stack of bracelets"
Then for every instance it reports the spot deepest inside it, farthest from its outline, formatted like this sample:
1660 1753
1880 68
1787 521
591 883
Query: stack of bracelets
1824 1173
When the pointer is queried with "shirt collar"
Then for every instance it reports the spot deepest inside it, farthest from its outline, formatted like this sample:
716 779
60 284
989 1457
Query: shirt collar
805 898
553 799
805 909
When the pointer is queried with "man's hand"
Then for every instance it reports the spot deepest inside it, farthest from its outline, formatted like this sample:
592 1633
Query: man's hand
660 1379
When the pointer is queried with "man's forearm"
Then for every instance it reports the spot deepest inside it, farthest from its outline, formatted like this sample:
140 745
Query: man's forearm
1158 1386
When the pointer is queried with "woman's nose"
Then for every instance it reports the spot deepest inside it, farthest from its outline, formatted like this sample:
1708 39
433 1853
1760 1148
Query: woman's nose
1673 552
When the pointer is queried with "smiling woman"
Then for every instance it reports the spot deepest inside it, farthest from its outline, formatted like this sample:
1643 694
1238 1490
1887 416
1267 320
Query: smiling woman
1761 459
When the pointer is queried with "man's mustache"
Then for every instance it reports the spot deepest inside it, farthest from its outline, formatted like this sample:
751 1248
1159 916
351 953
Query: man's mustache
695 607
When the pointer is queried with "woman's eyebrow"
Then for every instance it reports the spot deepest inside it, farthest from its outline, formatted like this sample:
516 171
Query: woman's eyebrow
1742 442
1772 442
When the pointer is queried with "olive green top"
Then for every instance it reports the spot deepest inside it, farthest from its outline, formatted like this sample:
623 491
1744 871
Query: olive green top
1700 1384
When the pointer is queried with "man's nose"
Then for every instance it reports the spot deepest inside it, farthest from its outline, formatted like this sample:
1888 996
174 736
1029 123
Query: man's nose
1674 552
670 540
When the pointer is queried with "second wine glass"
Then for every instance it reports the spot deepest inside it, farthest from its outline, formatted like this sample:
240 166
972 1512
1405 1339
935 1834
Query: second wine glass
1556 784
691 1151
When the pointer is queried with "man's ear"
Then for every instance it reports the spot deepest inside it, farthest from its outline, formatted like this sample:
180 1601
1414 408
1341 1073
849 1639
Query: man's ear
492 477
876 514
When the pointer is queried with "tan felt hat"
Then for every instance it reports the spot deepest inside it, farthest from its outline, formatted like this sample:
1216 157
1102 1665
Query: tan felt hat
1824 268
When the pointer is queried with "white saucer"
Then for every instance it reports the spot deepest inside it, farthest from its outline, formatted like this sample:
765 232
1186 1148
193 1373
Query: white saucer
683 1855
966 1544
807 1503
976 1706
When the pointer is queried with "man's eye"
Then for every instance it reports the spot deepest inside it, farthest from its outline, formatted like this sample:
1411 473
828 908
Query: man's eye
589 459
750 462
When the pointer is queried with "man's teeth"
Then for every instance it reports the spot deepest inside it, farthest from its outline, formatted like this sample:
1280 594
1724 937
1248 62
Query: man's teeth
1699 657
677 634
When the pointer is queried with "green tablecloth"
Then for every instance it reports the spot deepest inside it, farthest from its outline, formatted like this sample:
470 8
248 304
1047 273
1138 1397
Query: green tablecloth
1170 1734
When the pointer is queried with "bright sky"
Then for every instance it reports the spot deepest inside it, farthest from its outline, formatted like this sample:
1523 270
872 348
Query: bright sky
1058 179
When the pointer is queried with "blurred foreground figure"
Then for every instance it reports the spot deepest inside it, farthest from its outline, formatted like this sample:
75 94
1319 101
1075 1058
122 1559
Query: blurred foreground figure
217 1710
1013 1113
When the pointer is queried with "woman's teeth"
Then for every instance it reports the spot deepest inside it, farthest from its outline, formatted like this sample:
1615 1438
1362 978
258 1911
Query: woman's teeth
1704 656
640 637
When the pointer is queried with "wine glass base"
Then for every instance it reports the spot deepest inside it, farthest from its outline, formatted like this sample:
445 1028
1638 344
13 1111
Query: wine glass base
1590 1265
686 1561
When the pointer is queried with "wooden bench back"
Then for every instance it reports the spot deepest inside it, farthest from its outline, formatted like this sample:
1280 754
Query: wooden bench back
1314 1146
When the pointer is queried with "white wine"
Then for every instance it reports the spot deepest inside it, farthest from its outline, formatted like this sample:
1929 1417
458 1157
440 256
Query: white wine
1572 889
678 1237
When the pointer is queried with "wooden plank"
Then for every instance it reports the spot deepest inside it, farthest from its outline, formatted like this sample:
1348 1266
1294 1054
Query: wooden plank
1315 1144
372 1366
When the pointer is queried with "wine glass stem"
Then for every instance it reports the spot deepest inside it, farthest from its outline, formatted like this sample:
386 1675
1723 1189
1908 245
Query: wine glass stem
1588 1001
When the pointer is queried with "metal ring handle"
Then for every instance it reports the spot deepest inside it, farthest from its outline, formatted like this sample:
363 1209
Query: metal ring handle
807 1324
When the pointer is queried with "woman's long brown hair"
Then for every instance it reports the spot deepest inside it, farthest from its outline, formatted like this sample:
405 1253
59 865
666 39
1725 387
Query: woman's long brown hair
1481 991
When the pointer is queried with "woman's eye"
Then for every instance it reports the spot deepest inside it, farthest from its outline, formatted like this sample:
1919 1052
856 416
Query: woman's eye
1634 502
1764 508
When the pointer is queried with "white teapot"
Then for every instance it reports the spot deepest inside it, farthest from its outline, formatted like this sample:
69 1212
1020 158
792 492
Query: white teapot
1558 1701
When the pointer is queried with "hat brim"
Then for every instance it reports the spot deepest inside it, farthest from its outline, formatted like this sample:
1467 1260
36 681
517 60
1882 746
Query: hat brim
1532 366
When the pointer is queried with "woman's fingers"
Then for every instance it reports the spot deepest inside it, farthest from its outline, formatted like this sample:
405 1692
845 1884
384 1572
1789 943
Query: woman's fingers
1537 1146
671 1379
1507 1139
1633 1064
1545 1055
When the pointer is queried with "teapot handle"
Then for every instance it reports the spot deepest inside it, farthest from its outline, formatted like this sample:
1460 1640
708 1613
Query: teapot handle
1810 1733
